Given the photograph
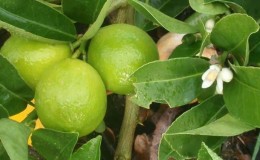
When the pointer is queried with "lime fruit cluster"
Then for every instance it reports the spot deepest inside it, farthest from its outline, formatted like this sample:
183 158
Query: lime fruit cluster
31 57
69 93
117 51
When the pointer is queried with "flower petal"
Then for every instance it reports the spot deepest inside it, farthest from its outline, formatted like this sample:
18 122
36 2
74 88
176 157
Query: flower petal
205 74
206 83
219 87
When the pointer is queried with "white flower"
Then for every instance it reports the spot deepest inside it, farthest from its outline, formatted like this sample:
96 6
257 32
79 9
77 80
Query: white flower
209 25
210 75
216 72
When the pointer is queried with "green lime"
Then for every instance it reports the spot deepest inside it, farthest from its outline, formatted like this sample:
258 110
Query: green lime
31 58
117 51
71 97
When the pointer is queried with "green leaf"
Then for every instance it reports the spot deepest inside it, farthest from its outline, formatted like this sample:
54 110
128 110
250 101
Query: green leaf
14 93
242 95
54 145
203 123
226 126
170 24
85 11
30 18
209 8
206 153
235 5
231 34
186 50
90 150
14 138
176 81
183 146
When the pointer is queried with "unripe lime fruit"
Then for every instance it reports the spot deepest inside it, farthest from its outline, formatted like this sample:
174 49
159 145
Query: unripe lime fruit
71 97
31 58
117 51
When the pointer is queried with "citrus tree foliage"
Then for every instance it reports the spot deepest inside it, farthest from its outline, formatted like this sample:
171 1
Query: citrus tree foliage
178 81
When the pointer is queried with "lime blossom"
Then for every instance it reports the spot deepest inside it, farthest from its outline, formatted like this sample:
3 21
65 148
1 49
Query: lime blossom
216 72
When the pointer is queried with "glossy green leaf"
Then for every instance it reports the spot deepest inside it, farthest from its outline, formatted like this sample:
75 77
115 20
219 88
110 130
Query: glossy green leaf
169 81
231 34
205 153
209 8
14 93
54 145
169 23
242 95
85 11
90 150
225 126
14 138
235 5
30 18
186 50
183 146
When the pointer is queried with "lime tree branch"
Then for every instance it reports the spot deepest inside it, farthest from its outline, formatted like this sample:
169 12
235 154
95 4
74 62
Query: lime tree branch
127 131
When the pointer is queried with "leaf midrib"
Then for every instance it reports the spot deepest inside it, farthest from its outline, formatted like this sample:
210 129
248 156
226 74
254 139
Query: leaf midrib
63 148
12 93
175 79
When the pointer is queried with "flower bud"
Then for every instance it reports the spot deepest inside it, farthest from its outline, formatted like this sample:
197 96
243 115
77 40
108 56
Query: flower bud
226 74
209 25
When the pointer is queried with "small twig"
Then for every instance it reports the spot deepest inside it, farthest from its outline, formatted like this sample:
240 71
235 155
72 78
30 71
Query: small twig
76 54
76 44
